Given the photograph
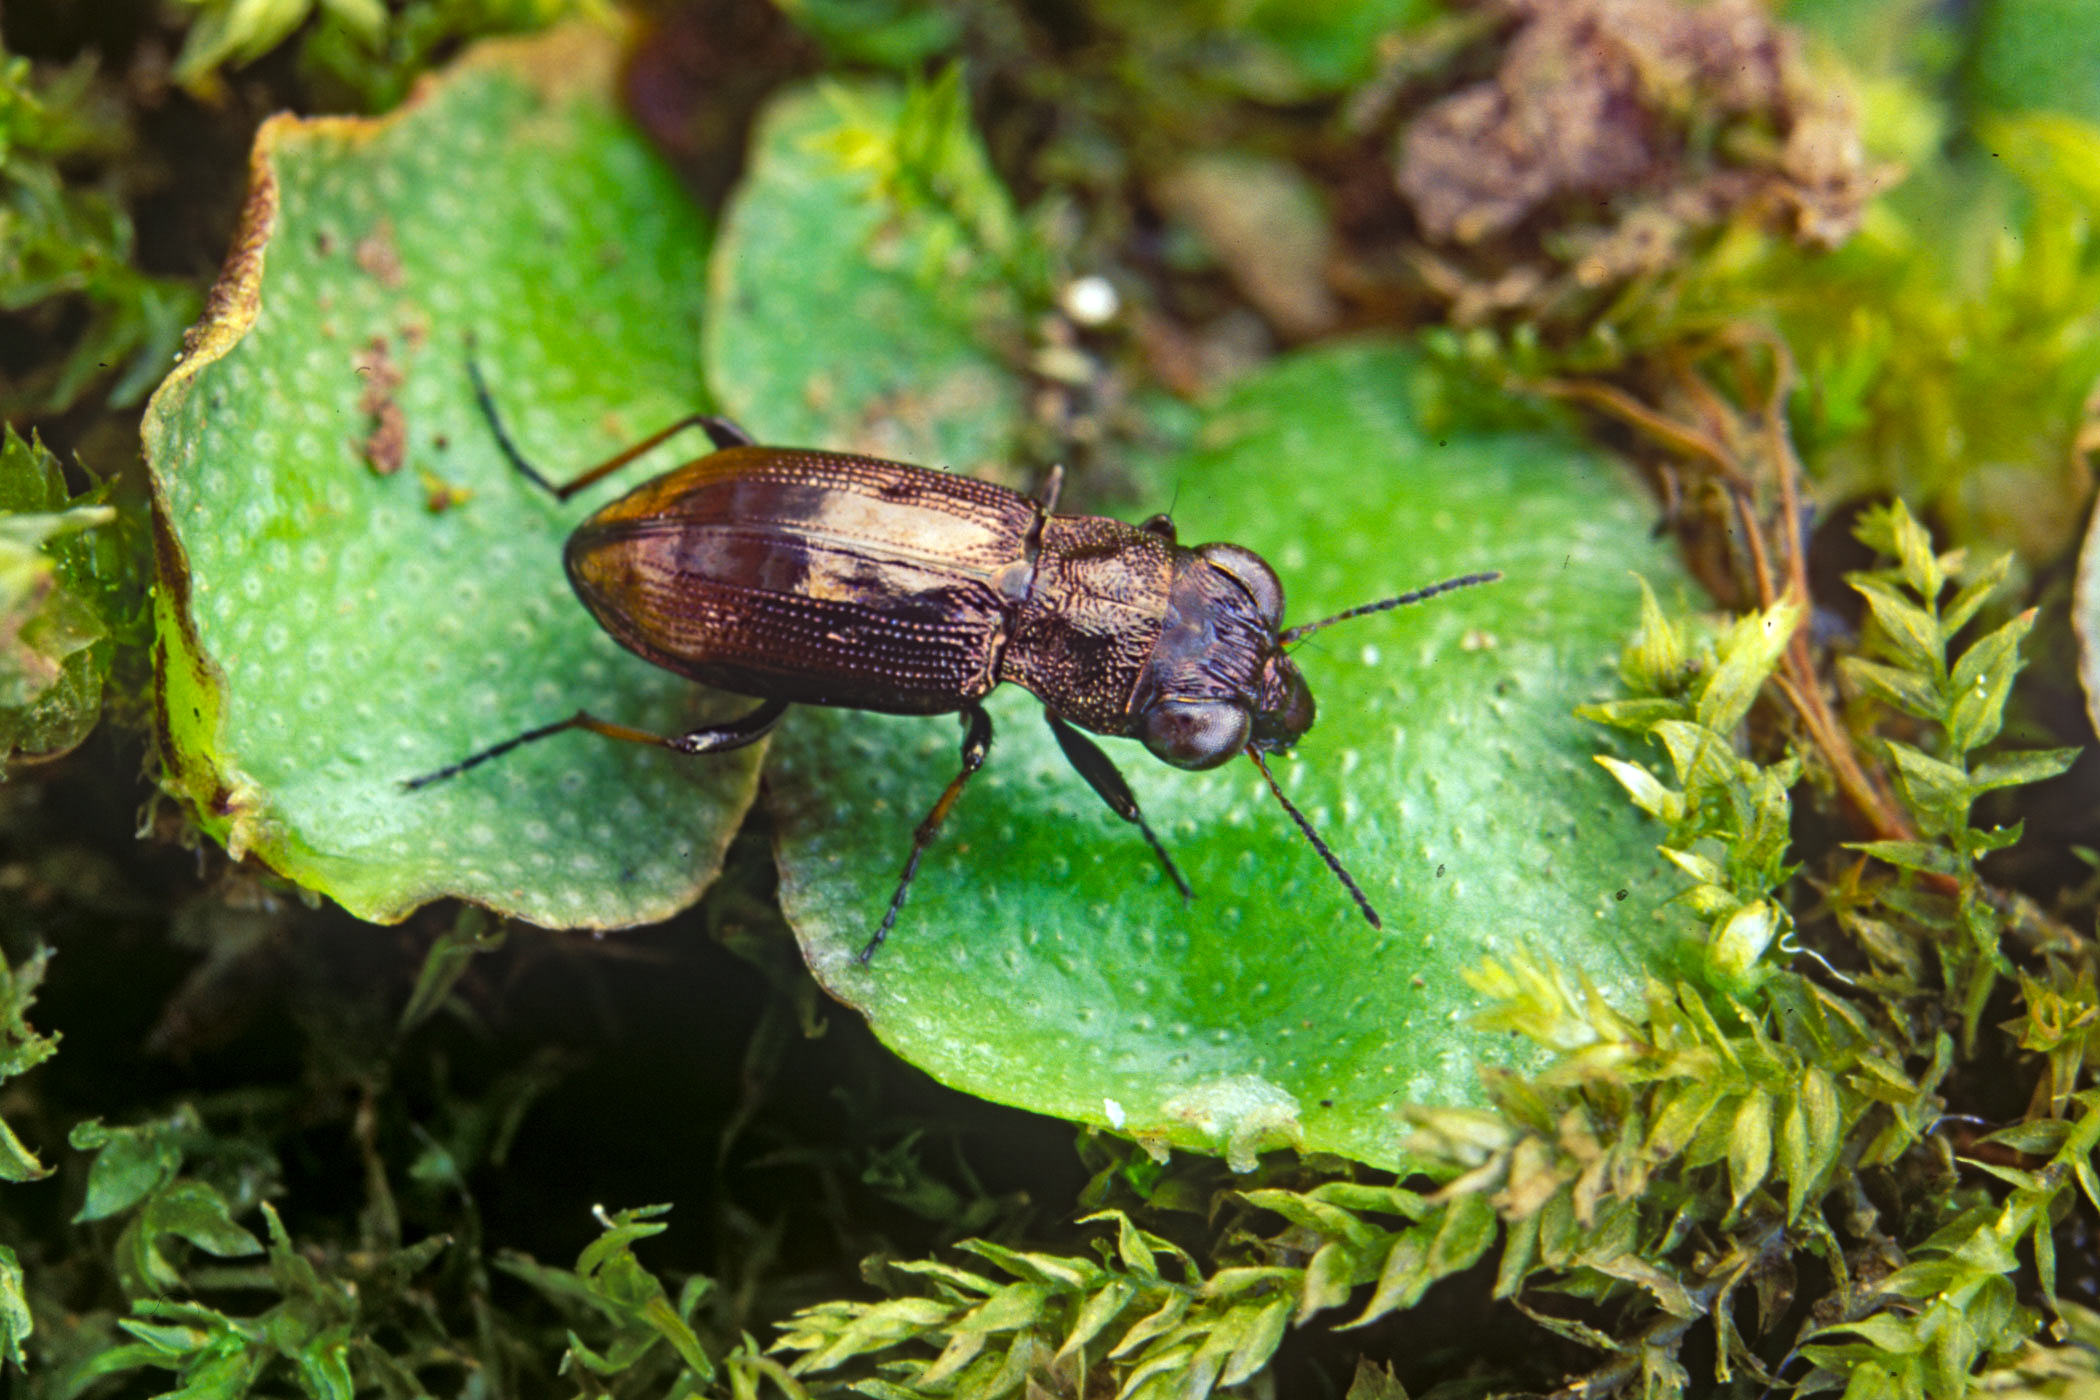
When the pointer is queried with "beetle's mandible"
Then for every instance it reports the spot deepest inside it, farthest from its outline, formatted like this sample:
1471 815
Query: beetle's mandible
801 577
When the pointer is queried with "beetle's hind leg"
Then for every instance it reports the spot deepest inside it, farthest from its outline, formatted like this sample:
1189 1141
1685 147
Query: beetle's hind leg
720 431
714 738
1101 775
977 742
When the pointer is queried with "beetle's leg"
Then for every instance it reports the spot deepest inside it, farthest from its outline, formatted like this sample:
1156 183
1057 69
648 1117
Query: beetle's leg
1101 775
720 431
1053 486
977 742
713 738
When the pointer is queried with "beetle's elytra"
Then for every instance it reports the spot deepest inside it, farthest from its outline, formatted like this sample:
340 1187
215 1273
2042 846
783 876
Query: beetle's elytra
820 578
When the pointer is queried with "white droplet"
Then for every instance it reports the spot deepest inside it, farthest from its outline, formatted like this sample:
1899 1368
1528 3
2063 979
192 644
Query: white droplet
1091 301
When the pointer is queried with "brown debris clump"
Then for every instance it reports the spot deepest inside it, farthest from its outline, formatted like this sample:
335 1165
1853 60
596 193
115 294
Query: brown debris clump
1620 128
385 447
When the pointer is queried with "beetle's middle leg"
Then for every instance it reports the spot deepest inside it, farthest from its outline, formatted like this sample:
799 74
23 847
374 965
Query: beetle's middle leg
1101 775
720 431
977 742
714 738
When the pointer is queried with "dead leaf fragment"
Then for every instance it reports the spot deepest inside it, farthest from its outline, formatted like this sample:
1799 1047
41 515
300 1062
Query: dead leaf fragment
1614 131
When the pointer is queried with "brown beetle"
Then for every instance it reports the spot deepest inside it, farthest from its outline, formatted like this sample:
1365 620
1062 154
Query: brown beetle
820 578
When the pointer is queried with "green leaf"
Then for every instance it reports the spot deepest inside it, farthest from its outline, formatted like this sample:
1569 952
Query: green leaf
1894 531
236 31
1042 959
53 646
889 33
1911 855
2031 55
1741 940
1259 1331
446 962
1656 660
329 630
130 1164
195 1211
2020 768
1702 757
69 256
1980 682
1915 639
1909 691
1939 793
16 1320
18 1163
1973 594
1647 793
1747 654
1695 865
1750 1145
829 327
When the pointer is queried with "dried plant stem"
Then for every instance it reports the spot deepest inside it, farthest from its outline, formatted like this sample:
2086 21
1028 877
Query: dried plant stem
1708 443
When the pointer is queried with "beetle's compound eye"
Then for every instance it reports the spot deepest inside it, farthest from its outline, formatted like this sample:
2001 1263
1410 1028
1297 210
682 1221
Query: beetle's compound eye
1195 733
1251 572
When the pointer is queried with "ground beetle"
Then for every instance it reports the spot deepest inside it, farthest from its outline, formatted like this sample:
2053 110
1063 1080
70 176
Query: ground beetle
801 577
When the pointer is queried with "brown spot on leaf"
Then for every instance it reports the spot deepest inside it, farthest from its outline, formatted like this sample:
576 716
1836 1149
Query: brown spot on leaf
386 446
377 257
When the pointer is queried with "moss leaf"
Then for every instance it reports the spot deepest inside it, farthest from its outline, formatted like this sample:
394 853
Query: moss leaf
1044 961
355 588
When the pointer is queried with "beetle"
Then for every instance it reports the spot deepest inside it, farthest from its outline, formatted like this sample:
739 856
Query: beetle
803 577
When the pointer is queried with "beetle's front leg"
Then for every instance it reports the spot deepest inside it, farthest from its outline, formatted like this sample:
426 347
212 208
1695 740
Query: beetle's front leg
1101 775
714 738
977 742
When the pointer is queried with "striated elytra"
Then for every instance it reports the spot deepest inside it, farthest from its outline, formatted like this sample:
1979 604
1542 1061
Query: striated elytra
805 577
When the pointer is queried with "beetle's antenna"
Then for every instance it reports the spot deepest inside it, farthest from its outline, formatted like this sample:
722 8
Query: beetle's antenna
1313 836
1384 605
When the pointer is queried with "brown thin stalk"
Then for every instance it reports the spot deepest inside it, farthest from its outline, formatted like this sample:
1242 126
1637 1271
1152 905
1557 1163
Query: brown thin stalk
1870 798
1796 681
1630 410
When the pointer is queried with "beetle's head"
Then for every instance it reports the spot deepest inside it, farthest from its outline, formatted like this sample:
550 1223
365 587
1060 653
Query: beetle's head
1219 682
1216 682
